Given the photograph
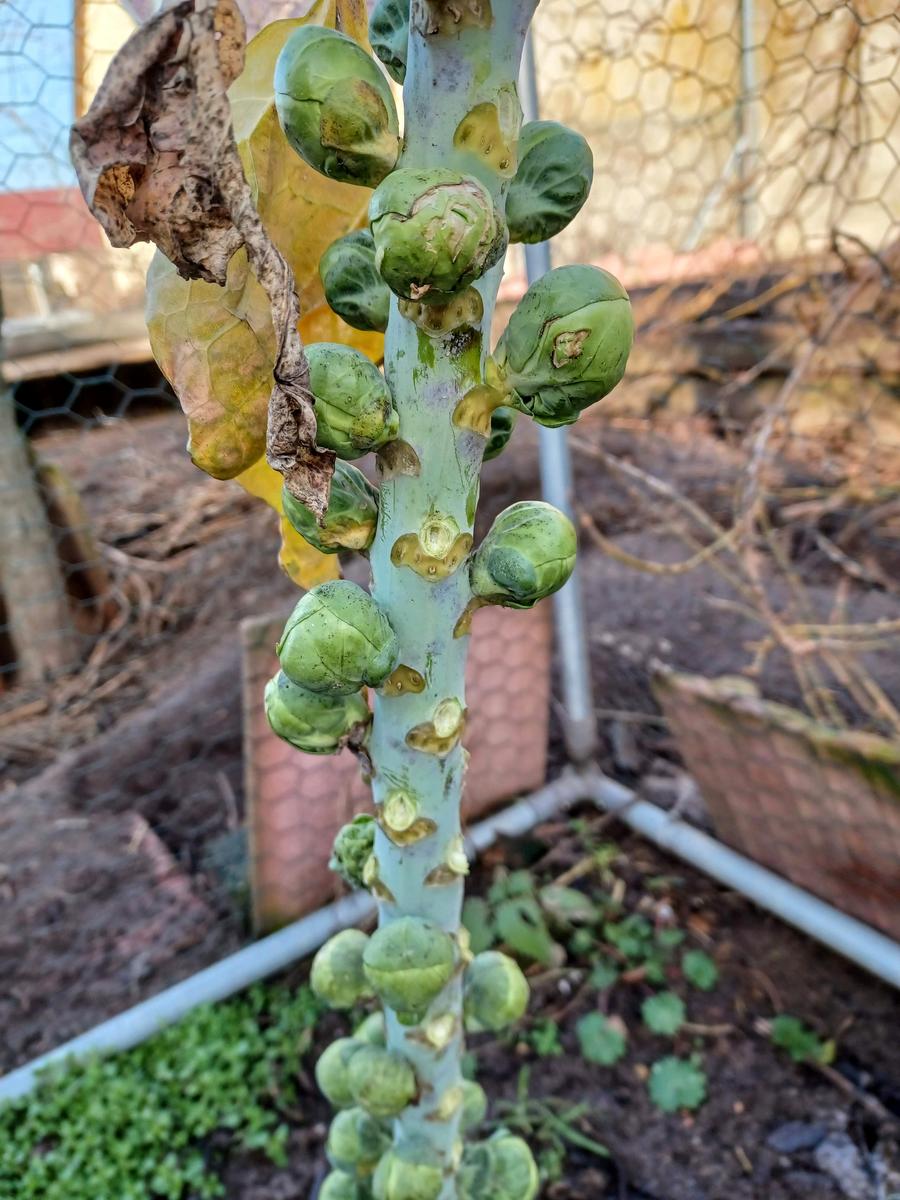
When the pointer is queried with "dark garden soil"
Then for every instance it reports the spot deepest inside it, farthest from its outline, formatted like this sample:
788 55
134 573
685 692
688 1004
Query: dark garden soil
121 789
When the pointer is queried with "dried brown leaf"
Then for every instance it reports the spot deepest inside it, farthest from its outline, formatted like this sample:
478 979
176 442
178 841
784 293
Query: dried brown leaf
157 161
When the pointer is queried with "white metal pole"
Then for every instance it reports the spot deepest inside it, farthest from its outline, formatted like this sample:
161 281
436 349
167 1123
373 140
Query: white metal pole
580 724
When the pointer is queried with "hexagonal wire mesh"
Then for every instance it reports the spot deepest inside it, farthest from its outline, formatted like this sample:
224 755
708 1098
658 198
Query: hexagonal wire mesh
738 493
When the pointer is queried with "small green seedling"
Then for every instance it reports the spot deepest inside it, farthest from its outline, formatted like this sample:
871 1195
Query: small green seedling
602 1039
677 1083
801 1043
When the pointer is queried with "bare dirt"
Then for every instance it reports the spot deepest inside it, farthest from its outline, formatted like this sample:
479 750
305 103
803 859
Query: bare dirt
119 783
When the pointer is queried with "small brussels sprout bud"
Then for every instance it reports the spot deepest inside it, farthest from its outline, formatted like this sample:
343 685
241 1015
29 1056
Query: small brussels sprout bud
335 106
373 1030
356 1141
354 409
350 519
352 848
382 1082
405 1173
353 287
332 1071
337 640
312 722
337 975
514 1172
338 1185
435 232
496 992
551 182
408 963
474 1105
566 344
528 553
503 421
389 35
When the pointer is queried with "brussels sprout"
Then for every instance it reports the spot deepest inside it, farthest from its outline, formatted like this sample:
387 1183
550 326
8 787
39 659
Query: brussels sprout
372 1031
566 344
389 35
351 516
501 1168
338 1185
354 409
333 1071
435 232
353 287
337 639
312 722
474 1179
336 107
405 1173
503 421
474 1104
551 183
496 992
408 963
356 1141
352 848
528 553
337 975
382 1082
514 1172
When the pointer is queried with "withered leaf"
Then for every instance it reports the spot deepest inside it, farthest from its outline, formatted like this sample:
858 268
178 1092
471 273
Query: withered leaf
157 161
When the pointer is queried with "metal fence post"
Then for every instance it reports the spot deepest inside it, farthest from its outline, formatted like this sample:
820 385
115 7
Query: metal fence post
580 726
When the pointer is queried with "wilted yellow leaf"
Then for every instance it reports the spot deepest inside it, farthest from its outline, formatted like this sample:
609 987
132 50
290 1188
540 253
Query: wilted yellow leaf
216 345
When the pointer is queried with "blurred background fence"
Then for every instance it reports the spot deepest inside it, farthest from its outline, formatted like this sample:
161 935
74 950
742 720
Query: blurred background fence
738 495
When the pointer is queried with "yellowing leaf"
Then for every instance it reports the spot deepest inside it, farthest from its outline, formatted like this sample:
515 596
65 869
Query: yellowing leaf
216 345
305 565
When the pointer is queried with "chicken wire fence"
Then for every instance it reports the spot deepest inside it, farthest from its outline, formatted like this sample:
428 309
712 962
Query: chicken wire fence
737 495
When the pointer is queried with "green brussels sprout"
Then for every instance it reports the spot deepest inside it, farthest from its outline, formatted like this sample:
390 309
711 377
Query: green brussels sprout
474 1108
337 975
496 992
351 516
503 421
356 1141
354 409
352 848
551 182
501 1168
312 722
337 639
335 106
566 344
514 1172
333 1071
528 553
408 1172
373 1030
338 1185
473 1181
353 287
408 963
383 1083
435 232
389 35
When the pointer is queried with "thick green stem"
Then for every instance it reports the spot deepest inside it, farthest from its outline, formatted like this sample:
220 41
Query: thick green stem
449 75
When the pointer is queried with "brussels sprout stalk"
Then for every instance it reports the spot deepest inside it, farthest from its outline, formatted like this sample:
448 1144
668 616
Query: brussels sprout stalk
446 78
